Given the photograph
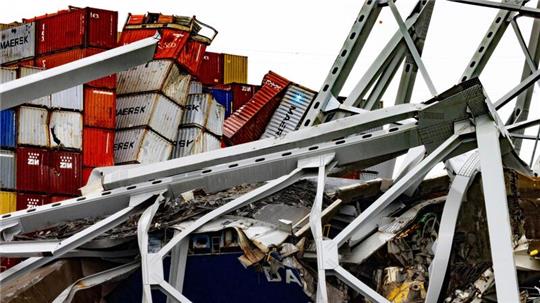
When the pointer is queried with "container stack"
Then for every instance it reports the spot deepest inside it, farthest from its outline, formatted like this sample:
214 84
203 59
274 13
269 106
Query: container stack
152 97
49 140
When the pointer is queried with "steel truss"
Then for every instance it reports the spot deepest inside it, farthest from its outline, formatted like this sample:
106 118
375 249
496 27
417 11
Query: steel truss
453 123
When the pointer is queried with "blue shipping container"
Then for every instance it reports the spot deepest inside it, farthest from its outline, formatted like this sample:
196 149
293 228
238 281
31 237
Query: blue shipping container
7 128
225 98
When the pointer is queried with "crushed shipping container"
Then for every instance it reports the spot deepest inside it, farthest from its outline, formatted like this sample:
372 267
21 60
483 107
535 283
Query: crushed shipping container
194 140
202 110
98 147
170 45
140 146
154 76
7 169
66 129
153 110
8 202
191 56
225 98
290 111
99 107
248 123
65 172
32 169
17 43
8 128
32 126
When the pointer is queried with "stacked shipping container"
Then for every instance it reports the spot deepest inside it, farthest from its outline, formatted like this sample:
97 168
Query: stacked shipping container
48 134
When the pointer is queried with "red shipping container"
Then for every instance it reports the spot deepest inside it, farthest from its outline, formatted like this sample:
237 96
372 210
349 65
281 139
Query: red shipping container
61 58
59 198
98 147
87 171
249 122
242 93
65 172
30 200
7 263
191 56
99 108
211 69
86 27
135 19
169 47
32 169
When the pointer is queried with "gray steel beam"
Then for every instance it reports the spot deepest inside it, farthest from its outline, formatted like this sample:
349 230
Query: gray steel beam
516 91
500 234
17 92
359 286
178 266
523 10
344 62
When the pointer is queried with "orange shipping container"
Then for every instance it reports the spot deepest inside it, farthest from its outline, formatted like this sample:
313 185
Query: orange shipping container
98 147
99 108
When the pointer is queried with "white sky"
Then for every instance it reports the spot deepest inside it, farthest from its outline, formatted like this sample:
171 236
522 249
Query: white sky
299 39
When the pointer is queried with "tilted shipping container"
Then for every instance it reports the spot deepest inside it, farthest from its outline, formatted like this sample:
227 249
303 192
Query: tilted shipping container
202 110
8 202
8 128
31 200
248 123
140 146
225 98
98 147
87 27
169 46
235 69
195 87
71 98
7 169
65 170
32 126
17 43
99 107
191 56
32 169
241 93
211 69
149 110
290 111
66 130
154 76
194 140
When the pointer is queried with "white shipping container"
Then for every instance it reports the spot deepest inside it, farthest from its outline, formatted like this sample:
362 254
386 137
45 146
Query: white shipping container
17 43
194 140
71 98
29 70
156 75
7 171
202 110
290 111
32 126
195 87
153 110
7 74
140 146
66 129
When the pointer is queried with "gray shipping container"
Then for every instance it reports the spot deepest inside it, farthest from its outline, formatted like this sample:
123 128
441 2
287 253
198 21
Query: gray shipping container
71 98
32 126
195 87
202 110
66 129
17 43
28 70
290 111
7 74
194 140
153 110
156 75
140 145
7 171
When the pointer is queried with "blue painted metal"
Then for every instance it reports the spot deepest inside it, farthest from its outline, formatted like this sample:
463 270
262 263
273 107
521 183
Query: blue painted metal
225 98
8 128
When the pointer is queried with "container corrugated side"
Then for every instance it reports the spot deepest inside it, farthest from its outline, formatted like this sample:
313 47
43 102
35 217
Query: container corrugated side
143 78
194 140
32 126
7 171
8 128
176 86
8 202
29 70
65 170
191 56
249 122
140 146
290 111
71 98
17 43
235 69
211 69
170 45
32 169
204 111
99 107
98 147
153 110
66 129
195 87
7 74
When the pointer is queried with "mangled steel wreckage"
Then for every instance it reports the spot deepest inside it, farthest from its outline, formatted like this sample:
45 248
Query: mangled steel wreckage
272 220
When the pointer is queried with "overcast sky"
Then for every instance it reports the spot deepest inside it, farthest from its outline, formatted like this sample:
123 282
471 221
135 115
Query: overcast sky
299 39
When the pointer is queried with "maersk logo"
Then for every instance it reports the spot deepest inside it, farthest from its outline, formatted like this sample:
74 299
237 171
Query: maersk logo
124 145
33 159
193 107
5 44
185 143
283 123
131 110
